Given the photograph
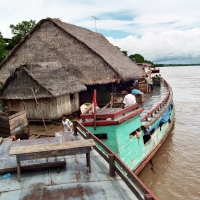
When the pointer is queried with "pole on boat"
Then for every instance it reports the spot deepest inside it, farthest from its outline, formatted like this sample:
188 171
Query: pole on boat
40 111
94 104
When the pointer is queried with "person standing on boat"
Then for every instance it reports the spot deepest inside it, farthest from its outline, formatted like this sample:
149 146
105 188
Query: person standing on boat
66 124
129 99
149 82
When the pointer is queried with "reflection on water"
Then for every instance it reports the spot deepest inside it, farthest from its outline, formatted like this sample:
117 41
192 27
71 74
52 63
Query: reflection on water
176 164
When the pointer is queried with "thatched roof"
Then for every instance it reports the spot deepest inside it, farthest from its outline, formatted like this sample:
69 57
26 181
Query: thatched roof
46 79
104 63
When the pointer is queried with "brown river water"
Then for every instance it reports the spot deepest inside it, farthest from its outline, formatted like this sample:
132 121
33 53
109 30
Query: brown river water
176 173
177 163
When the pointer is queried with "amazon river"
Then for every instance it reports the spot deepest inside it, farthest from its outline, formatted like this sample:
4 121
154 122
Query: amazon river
176 166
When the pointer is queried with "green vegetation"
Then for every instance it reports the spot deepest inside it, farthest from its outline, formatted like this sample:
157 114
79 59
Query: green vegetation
19 31
3 48
125 53
136 57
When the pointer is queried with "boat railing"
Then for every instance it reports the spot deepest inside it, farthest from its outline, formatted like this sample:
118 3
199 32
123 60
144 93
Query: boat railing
116 113
116 164
160 105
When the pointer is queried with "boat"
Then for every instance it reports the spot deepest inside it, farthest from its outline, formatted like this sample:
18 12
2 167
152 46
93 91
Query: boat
119 152
155 70
136 132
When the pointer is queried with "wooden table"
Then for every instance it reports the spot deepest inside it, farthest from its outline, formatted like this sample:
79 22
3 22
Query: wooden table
39 151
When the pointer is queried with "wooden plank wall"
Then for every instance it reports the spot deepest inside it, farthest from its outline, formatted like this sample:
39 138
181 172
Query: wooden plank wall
52 108
13 123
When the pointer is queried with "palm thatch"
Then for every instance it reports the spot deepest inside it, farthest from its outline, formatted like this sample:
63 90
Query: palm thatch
46 79
87 55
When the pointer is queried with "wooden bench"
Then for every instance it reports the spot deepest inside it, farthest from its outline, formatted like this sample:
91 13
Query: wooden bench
39 151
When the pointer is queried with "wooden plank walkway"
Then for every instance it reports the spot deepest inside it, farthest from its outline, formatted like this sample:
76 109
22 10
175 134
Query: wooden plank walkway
73 182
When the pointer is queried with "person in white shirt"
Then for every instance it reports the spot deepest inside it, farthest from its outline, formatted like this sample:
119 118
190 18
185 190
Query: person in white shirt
129 99
66 124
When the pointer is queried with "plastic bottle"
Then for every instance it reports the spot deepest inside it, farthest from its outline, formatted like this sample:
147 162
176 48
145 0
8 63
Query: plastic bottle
6 175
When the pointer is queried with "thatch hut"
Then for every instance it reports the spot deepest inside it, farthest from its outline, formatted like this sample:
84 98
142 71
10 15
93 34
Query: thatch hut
55 90
86 54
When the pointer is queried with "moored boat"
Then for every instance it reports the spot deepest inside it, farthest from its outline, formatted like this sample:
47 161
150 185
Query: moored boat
155 70
135 133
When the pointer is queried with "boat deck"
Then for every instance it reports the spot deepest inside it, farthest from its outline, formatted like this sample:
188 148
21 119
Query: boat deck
152 99
73 181
109 116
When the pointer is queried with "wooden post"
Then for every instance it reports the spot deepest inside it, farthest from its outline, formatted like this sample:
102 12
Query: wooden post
40 112
112 164
88 135
95 114
75 127
88 160
18 168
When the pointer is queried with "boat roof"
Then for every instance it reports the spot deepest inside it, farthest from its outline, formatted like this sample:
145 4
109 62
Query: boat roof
73 181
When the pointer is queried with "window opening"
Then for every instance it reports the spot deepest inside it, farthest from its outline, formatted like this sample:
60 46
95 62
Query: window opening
147 135
101 136
71 96
135 133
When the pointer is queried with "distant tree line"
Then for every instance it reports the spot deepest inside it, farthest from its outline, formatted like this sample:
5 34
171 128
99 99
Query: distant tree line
19 31
174 65
136 57
140 59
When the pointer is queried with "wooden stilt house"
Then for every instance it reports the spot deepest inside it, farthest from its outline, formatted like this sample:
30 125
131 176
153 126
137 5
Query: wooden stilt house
55 90
86 55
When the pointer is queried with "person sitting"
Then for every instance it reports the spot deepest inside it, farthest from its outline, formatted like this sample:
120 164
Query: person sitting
136 91
149 82
129 99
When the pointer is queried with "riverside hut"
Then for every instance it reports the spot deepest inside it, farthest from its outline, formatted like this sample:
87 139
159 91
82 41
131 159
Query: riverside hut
86 54
55 90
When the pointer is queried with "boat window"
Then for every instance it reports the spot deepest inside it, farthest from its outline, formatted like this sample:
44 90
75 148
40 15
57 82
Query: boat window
146 138
147 135
101 136
135 133
131 135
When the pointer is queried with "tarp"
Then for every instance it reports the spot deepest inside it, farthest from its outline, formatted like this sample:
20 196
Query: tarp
164 119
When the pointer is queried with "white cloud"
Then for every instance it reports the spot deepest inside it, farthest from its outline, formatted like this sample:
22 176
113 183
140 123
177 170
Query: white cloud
159 30
169 45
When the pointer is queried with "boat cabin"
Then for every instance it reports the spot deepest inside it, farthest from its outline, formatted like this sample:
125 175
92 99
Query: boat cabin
116 128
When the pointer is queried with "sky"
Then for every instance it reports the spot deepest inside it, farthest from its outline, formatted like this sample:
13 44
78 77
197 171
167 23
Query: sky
162 31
